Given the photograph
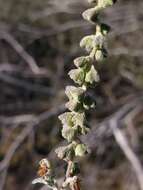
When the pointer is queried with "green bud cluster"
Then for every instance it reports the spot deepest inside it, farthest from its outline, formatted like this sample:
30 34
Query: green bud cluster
85 76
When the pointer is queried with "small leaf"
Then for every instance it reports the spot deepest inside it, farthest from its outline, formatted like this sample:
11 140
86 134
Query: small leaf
39 180
51 181
105 29
89 102
75 170
84 130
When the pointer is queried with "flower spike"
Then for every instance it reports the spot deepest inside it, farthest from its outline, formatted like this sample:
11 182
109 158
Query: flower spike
74 120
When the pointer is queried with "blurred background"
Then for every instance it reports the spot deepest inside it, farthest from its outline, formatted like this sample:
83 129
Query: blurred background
38 41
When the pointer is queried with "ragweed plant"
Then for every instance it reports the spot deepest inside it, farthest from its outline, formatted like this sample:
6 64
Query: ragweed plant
79 102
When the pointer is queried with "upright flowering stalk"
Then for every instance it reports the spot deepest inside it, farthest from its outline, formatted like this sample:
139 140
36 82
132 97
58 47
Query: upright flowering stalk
74 120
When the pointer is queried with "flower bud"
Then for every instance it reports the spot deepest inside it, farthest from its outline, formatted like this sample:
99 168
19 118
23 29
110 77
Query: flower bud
92 76
100 54
79 119
73 105
83 62
66 119
65 152
45 162
87 43
75 96
80 150
84 130
106 3
74 93
69 133
77 75
92 43
61 152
